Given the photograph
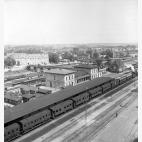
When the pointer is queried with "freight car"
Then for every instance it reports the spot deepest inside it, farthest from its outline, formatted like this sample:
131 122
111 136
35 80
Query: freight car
27 116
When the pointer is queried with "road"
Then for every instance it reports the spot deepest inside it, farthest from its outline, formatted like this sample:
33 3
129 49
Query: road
75 127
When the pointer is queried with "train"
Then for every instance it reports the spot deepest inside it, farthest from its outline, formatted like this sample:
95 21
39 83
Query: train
27 116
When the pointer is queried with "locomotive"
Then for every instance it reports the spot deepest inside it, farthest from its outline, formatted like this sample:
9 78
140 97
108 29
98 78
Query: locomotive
27 116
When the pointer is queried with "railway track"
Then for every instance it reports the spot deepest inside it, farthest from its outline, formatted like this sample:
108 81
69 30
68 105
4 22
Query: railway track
78 111
85 133
74 122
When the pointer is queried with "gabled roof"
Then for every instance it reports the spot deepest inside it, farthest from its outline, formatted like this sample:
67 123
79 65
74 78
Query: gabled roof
85 66
81 73
59 71
28 88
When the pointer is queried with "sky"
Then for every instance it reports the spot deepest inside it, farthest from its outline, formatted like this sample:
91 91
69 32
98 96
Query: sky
70 21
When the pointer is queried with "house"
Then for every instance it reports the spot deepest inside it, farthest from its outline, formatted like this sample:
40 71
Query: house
81 76
28 97
12 98
25 89
90 69
58 77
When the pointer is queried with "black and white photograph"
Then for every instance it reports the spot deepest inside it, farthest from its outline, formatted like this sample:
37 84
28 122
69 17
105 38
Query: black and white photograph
70 71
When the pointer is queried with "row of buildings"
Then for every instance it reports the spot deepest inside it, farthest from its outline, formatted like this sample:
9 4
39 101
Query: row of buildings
30 59
48 80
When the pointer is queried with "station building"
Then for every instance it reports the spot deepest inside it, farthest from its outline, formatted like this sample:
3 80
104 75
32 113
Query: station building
58 78
92 70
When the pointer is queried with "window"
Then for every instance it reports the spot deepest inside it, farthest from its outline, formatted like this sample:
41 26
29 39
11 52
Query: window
67 78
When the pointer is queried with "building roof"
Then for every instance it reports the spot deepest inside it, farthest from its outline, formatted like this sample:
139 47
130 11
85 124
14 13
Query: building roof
85 66
12 97
34 105
16 73
28 88
33 79
117 75
44 91
28 96
21 80
80 74
59 71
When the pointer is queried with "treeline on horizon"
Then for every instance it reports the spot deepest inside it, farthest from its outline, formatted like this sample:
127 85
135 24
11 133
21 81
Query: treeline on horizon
36 49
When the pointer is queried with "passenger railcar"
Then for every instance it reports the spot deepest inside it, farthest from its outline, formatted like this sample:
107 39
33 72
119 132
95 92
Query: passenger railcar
106 87
32 121
11 132
80 99
61 108
96 91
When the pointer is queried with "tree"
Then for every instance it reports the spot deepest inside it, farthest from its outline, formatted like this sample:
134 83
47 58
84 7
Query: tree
89 52
121 55
115 66
108 53
9 62
53 58
95 55
68 56
99 62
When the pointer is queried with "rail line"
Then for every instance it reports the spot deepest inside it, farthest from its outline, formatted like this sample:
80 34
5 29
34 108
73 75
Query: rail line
74 122
86 132
81 108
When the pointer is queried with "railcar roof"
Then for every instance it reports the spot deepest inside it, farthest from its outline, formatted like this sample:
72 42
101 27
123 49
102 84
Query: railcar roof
33 105
117 75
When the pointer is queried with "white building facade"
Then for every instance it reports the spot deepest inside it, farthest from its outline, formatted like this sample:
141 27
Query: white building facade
31 59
